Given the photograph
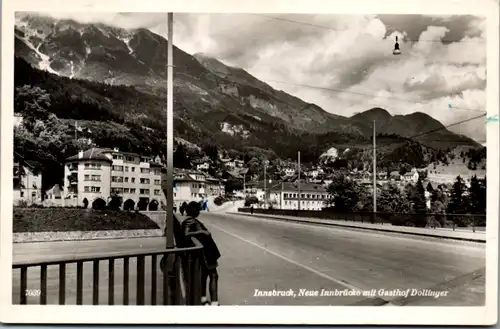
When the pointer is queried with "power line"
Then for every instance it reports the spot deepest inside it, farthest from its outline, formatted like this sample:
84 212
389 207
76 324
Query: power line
402 39
408 139
362 94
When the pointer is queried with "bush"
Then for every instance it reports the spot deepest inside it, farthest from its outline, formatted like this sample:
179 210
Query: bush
78 219
250 201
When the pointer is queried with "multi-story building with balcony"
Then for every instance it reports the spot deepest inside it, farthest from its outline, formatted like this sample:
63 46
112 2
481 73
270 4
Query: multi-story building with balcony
97 174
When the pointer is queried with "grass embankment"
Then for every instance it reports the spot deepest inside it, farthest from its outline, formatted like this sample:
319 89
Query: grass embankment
78 219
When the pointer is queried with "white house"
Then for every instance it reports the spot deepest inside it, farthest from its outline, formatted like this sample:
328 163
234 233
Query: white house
289 172
203 166
228 163
411 177
27 182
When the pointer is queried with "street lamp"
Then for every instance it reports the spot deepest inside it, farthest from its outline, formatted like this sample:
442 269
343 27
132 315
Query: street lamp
396 50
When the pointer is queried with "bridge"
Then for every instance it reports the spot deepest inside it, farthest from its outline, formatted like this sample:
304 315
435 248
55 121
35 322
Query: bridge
262 258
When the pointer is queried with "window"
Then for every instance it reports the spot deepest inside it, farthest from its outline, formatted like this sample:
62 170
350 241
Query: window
145 170
157 182
22 194
117 179
133 169
86 189
132 191
117 168
87 177
126 190
116 190
92 166
144 180
95 189
95 178
126 168
157 192
126 179
115 157
143 191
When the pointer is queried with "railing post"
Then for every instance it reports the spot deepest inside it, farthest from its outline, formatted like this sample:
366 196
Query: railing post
43 285
140 280
196 285
111 282
153 279
95 285
188 274
125 279
79 282
24 285
62 284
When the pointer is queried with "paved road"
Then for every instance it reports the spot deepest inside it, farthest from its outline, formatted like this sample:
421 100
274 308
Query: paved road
265 254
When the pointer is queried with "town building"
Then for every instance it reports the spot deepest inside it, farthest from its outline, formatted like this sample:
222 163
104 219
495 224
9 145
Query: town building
194 186
286 196
228 163
97 174
27 182
411 177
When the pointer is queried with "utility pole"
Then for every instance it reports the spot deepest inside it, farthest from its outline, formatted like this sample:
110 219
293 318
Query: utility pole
374 171
281 195
265 189
298 158
170 136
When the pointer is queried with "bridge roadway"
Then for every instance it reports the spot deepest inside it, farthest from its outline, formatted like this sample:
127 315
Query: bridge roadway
267 255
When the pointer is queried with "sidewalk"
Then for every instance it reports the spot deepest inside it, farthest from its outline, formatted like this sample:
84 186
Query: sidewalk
462 235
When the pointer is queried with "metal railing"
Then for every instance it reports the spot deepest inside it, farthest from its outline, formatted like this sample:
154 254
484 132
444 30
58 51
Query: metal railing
181 281
473 222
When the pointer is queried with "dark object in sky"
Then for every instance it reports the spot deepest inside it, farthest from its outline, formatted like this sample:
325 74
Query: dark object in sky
396 50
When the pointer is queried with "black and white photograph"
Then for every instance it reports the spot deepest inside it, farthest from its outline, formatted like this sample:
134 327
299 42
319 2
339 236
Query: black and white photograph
176 158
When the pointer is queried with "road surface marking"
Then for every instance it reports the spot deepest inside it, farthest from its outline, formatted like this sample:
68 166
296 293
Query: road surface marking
323 275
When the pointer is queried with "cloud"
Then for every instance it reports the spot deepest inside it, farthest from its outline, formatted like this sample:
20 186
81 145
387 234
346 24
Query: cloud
443 58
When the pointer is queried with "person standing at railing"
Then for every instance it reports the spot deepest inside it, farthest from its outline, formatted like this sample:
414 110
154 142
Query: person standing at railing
192 226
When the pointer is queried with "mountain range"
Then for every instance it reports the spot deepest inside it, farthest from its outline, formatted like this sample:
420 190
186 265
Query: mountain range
123 73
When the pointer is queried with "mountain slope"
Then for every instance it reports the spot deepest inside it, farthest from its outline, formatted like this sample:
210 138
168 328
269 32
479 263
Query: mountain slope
213 102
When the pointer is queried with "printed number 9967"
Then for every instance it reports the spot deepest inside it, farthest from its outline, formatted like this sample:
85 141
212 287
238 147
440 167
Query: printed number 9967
32 292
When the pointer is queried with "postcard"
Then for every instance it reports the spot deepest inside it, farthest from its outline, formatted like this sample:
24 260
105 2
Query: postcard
250 162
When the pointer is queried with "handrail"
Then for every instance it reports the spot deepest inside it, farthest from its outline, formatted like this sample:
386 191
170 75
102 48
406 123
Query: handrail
109 256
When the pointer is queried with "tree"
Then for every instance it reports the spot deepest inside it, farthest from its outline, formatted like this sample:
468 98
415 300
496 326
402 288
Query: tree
233 185
345 193
429 188
419 201
115 201
393 200
211 151
477 196
32 103
458 201
180 158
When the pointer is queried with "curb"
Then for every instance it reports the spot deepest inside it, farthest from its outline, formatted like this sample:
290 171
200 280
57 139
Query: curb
32 237
312 222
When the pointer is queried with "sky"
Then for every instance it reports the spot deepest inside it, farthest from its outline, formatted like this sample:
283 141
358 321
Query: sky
345 63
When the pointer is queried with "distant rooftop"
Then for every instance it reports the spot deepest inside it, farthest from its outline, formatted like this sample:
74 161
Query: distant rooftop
95 154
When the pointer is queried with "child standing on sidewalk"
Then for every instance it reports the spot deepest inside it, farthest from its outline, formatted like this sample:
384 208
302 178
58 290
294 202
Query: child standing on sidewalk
193 227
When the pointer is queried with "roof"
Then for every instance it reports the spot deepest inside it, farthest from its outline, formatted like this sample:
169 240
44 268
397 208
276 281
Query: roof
154 164
96 154
55 190
304 187
408 174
